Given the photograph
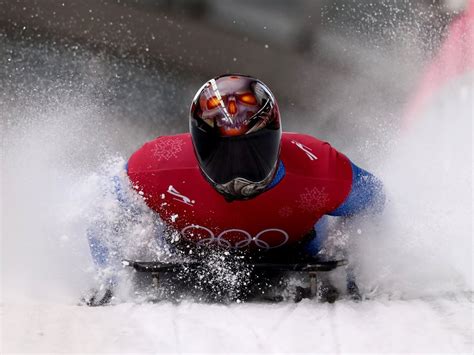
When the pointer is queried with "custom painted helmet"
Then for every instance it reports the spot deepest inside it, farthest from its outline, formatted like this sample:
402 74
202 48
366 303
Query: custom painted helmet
236 132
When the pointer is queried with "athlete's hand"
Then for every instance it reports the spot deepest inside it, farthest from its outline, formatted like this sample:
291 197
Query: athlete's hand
98 297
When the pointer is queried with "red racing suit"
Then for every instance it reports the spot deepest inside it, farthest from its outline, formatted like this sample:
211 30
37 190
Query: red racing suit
317 180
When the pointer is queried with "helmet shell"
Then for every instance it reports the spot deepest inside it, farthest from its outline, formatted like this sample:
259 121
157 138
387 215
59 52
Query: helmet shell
236 131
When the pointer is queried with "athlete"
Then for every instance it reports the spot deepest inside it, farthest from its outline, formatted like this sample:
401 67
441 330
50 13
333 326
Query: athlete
237 182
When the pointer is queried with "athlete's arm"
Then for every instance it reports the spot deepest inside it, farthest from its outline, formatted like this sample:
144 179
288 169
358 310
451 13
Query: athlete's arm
366 196
103 237
120 208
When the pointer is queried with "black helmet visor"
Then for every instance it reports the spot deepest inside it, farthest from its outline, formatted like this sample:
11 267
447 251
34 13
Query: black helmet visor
250 156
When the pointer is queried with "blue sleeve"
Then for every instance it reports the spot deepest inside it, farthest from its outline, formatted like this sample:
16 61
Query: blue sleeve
105 231
101 250
366 195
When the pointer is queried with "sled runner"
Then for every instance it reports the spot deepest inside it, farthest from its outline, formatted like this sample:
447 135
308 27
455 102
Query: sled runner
319 286
158 267
249 281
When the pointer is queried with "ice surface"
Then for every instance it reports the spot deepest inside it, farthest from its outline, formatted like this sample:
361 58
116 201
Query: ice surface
383 325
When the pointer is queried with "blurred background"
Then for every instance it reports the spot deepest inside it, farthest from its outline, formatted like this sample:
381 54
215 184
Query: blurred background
336 67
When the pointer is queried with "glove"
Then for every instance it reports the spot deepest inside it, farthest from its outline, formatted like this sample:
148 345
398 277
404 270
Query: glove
98 297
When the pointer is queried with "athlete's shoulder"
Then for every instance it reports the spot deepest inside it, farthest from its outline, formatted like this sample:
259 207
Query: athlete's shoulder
306 155
164 152
301 137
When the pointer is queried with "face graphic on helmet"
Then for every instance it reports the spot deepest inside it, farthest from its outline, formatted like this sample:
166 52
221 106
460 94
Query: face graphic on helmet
235 105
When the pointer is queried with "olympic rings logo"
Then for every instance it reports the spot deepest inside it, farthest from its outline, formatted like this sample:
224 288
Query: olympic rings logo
244 240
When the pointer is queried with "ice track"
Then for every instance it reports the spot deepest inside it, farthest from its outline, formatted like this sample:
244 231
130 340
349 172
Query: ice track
381 325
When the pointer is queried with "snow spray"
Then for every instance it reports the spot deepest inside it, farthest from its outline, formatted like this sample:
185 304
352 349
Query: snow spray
59 141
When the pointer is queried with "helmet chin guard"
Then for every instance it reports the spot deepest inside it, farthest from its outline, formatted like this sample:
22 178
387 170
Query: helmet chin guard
236 133
243 189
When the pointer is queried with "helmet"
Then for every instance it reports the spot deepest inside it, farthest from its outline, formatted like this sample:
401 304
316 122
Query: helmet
236 133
